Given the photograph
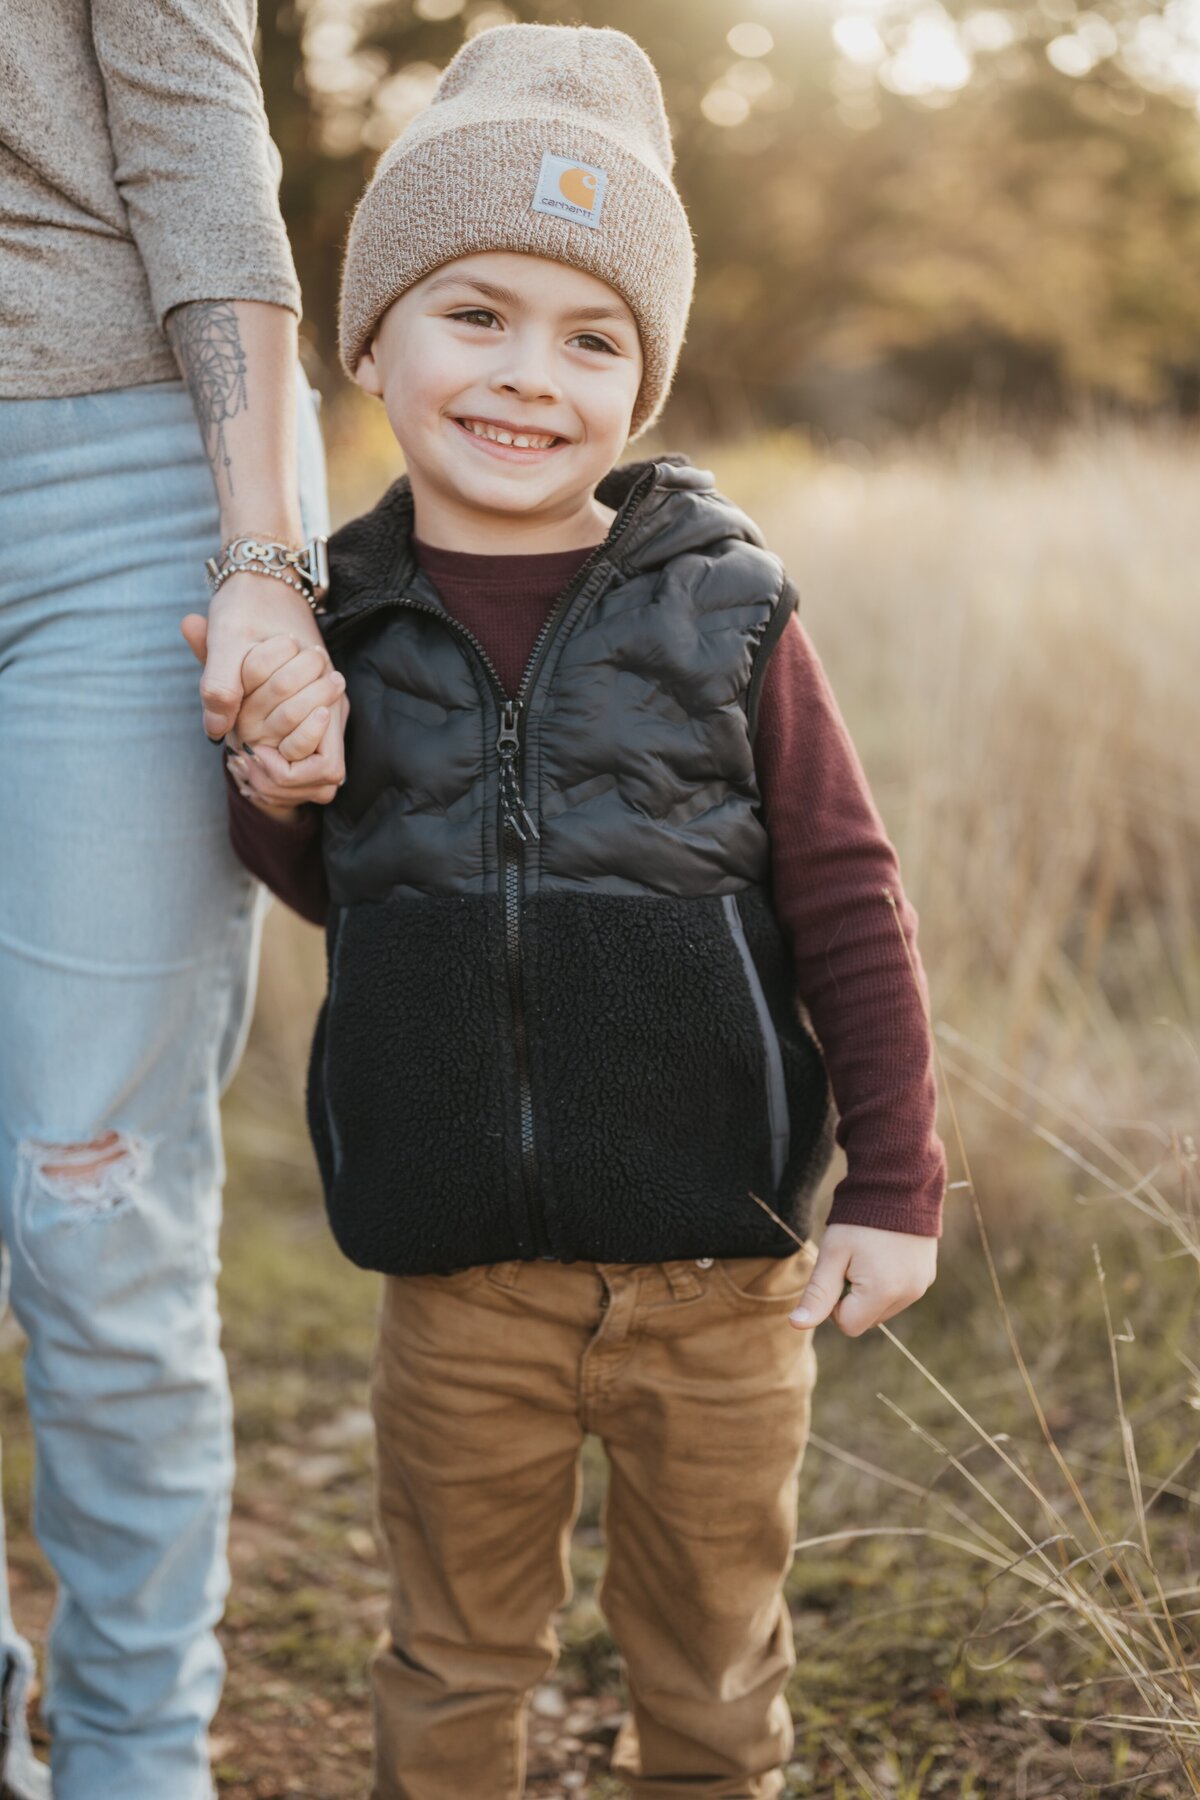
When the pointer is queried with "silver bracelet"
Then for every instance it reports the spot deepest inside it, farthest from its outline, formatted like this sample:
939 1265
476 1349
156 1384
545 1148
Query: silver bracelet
306 570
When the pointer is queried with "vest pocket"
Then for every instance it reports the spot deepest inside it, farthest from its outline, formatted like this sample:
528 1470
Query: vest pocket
408 1090
332 1135
660 1093
777 1100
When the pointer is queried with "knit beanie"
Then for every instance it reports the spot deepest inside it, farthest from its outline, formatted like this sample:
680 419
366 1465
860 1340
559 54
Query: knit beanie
548 139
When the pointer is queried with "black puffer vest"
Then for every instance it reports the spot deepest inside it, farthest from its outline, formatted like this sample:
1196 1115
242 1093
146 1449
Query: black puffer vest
561 1015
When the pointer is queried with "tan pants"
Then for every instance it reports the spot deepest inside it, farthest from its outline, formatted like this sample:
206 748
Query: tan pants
485 1383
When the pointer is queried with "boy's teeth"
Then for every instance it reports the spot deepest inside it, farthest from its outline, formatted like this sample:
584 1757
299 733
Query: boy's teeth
521 440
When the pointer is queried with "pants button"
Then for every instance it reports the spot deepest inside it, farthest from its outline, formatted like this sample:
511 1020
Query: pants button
704 1262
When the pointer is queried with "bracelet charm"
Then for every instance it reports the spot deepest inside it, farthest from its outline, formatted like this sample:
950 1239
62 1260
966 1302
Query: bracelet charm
306 569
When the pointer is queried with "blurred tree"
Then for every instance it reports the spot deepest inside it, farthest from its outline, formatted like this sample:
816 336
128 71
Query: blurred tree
318 190
894 208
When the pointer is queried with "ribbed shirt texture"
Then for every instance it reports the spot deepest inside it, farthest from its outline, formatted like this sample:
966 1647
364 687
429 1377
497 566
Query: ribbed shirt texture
833 868
136 174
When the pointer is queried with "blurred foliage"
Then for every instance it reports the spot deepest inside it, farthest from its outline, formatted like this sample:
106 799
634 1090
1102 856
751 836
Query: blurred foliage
898 204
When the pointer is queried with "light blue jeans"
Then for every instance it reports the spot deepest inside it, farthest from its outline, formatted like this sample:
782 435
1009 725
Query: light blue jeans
128 956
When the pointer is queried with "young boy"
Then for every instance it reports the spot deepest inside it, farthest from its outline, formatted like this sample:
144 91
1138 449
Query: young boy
602 852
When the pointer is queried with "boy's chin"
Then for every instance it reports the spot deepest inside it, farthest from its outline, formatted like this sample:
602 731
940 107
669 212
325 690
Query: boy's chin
517 488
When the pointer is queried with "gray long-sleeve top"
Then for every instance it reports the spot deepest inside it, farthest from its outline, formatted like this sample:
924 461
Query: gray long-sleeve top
136 174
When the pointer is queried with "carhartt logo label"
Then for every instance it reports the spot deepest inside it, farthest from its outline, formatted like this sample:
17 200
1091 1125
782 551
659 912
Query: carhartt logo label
570 189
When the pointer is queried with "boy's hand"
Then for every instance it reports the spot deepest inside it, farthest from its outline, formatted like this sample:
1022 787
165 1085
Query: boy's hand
290 694
886 1271
288 735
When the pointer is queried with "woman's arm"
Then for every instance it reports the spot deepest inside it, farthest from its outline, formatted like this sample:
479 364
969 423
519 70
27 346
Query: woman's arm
199 176
193 156
238 358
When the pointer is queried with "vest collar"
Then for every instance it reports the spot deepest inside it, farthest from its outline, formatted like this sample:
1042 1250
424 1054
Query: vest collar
663 506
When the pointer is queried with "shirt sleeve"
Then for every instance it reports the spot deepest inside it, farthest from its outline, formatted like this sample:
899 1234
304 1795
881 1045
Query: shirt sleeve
838 895
194 161
284 854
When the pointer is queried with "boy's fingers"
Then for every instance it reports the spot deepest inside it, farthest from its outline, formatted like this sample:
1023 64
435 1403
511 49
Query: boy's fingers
288 713
306 680
263 659
305 740
857 1313
316 777
822 1294
333 743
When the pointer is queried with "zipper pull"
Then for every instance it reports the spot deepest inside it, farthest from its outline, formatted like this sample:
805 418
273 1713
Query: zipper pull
508 743
531 830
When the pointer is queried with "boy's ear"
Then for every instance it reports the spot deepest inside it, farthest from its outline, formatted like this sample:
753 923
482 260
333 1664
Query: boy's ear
366 372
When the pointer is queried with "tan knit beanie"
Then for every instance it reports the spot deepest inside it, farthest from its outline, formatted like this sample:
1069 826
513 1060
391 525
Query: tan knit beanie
549 139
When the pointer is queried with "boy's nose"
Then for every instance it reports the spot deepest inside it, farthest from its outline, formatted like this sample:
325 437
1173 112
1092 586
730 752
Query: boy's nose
528 390
529 377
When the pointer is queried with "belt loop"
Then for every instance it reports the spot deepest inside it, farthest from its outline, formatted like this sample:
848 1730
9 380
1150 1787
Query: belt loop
682 1280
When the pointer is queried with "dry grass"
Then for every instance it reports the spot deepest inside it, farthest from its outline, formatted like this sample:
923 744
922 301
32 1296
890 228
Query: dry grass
1011 639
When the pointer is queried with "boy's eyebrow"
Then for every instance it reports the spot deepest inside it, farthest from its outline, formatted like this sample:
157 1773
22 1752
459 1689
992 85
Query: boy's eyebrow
507 297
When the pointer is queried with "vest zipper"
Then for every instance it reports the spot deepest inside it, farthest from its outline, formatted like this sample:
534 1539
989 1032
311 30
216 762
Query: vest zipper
516 831
517 828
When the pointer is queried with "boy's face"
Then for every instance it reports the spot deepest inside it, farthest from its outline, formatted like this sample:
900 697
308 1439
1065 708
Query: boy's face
504 342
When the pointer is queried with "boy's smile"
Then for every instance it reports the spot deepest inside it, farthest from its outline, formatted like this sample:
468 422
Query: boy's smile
510 382
507 438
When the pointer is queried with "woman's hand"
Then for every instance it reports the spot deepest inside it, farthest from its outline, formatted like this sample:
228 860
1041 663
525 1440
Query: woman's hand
886 1271
245 611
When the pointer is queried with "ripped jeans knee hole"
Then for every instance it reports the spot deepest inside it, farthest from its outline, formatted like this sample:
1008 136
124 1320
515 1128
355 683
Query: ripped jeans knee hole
84 1182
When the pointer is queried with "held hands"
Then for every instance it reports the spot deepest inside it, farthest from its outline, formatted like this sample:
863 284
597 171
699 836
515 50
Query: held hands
886 1271
244 611
286 741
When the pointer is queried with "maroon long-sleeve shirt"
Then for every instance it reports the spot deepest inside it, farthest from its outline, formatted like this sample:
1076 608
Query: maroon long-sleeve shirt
835 879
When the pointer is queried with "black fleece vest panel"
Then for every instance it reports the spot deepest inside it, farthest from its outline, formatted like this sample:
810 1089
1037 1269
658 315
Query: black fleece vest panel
561 1015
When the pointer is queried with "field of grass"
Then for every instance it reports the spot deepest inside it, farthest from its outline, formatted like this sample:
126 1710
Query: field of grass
996 1590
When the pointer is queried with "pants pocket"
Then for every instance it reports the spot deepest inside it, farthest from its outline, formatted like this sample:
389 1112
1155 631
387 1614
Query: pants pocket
757 1283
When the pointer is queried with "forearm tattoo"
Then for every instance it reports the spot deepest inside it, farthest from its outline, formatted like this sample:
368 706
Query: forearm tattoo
208 348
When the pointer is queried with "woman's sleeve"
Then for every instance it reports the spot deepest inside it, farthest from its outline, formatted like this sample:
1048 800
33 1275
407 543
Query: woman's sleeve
194 160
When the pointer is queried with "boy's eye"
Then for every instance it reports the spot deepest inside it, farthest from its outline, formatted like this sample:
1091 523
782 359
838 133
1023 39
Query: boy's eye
471 315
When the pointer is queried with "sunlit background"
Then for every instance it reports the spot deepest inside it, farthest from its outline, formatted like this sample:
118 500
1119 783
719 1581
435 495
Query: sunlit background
901 208
946 350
